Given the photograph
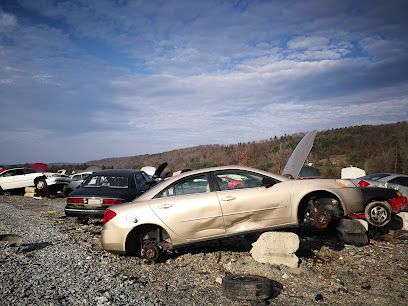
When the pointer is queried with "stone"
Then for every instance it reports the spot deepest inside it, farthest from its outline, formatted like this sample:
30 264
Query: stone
276 243
291 261
353 226
404 217
353 239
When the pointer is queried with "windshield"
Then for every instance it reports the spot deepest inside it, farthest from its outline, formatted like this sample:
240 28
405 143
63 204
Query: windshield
107 181
374 176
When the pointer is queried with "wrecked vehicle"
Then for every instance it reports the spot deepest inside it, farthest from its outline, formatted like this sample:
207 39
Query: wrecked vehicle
17 178
105 188
76 181
385 180
50 182
203 205
381 203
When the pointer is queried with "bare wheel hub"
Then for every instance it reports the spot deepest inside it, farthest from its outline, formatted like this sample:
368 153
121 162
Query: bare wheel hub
321 219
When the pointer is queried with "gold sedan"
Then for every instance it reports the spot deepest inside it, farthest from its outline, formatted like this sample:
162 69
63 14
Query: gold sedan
218 202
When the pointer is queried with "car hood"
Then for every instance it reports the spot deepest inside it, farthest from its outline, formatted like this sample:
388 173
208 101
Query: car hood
299 155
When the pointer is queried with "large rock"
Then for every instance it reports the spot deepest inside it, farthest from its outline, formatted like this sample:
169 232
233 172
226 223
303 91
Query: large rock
276 248
404 217
353 231
353 226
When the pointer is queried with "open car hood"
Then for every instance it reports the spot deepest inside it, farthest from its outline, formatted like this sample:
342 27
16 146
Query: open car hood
160 169
299 155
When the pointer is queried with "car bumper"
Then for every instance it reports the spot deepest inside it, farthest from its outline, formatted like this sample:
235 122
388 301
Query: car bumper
113 238
84 212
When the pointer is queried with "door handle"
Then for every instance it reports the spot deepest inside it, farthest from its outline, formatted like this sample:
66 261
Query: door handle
229 198
166 205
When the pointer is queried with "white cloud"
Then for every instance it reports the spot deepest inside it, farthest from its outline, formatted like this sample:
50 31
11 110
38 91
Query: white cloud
7 21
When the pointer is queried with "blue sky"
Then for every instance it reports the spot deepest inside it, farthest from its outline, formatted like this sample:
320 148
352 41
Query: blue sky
84 80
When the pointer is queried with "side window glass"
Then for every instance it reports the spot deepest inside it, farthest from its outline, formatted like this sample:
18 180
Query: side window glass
19 172
228 180
400 181
191 185
140 181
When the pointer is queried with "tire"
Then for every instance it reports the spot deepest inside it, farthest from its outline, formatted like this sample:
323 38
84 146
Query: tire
247 287
40 184
378 213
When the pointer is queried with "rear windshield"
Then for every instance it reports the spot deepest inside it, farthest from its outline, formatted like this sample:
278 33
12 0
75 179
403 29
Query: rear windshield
107 181
374 176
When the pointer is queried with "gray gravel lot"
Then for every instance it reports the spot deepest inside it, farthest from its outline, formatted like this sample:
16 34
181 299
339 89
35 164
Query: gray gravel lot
61 263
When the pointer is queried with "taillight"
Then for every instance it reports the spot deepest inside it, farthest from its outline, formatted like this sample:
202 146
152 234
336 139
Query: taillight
75 200
112 201
108 215
398 203
363 183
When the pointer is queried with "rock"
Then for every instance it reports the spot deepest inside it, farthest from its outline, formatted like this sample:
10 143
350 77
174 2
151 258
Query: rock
353 226
353 239
276 248
30 190
319 297
218 280
404 217
13 240
277 243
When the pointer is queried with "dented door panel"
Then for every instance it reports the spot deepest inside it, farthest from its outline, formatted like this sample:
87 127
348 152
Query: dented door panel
254 208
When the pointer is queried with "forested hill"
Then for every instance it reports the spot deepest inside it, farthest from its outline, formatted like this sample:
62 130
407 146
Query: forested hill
371 147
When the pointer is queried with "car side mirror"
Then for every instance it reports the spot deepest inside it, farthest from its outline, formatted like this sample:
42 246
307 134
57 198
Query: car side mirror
268 182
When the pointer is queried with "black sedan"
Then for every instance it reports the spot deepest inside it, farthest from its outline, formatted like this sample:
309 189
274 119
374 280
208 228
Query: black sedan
105 188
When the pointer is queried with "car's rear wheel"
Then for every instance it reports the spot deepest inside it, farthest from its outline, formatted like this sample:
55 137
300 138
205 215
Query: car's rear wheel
378 213
40 184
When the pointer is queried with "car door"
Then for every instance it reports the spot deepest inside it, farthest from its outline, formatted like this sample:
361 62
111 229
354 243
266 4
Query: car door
29 177
13 179
248 205
190 208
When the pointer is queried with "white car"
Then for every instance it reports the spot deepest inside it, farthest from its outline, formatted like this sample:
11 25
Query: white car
53 180
18 178
76 180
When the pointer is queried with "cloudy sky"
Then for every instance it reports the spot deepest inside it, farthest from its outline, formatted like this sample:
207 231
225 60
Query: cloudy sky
83 80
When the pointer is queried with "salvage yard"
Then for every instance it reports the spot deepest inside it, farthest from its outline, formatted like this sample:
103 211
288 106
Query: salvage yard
60 262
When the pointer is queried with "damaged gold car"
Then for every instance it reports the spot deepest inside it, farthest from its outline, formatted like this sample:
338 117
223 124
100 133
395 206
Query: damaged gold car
219 202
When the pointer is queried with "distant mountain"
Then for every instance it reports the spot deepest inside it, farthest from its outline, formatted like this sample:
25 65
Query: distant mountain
371 147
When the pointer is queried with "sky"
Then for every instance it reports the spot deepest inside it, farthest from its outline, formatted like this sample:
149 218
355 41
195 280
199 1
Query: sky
85 80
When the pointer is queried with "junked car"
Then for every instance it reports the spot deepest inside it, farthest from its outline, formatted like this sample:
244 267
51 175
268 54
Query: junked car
202 205
16 178
105 188
76 181
385 180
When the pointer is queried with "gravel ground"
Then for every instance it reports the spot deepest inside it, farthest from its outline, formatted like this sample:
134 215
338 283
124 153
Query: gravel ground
61 263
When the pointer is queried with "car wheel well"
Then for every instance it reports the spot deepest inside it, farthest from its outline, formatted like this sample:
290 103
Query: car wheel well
147 234
327 200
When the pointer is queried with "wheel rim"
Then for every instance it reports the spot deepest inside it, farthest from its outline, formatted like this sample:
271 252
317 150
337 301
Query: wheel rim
379 214
40 184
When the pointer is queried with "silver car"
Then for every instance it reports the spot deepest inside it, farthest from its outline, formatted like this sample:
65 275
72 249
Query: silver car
218 202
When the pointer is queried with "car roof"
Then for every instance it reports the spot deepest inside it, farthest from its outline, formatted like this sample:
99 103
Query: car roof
116 172
172 179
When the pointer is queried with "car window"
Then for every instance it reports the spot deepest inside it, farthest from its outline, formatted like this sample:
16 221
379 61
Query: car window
76 177
84 176
191 185
9 173
19 172
400 181
107 181
28 171
374 176
140 181
238 179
